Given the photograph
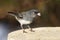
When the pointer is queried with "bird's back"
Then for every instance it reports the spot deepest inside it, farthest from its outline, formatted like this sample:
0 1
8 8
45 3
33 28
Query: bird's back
28 15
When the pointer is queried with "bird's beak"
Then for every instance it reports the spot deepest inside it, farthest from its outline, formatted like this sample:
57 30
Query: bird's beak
39 14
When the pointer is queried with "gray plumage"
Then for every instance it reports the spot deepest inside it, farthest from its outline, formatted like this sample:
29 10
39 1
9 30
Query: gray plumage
26 17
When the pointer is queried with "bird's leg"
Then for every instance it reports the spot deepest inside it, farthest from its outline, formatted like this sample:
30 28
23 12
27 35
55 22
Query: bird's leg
30 29
23 29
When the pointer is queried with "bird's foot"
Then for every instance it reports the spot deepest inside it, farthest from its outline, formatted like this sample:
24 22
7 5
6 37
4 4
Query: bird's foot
32 30
24 32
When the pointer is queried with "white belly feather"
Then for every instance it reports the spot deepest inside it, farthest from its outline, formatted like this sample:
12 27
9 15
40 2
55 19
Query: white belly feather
24 21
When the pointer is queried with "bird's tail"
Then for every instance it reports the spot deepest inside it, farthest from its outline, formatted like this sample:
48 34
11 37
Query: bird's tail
12 13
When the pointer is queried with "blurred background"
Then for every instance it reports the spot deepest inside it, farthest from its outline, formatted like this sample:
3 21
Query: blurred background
49 9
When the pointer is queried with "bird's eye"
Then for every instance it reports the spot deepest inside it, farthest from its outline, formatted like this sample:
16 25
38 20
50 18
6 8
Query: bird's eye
36 12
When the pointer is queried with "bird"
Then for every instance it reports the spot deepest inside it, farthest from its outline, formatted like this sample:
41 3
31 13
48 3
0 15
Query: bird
25 17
